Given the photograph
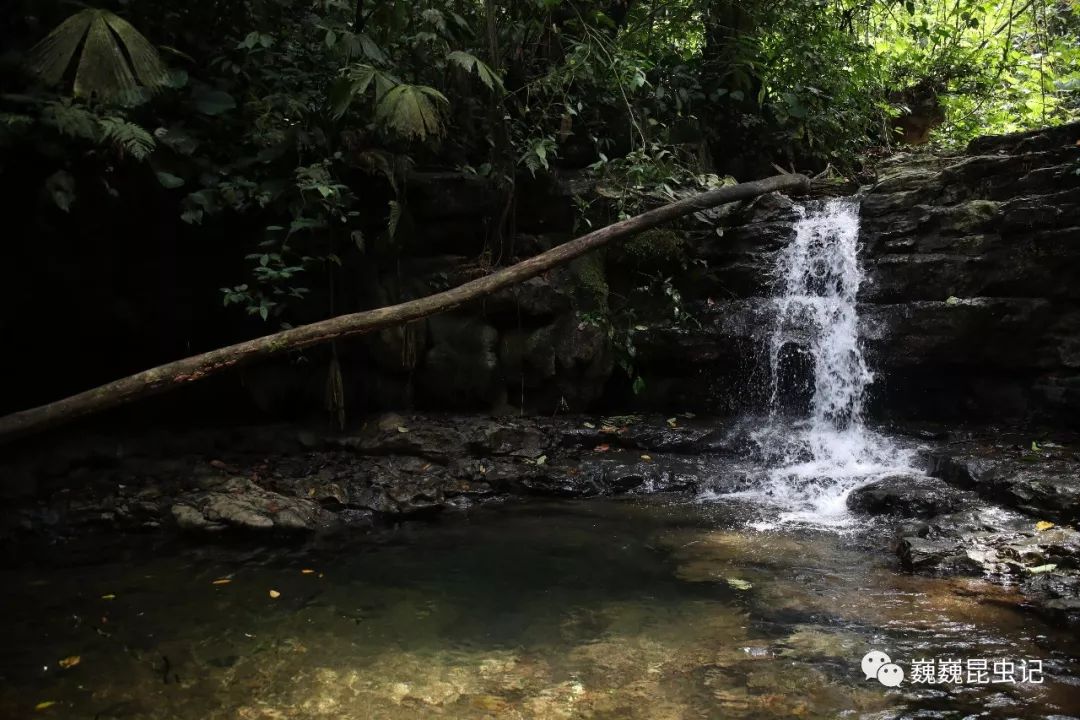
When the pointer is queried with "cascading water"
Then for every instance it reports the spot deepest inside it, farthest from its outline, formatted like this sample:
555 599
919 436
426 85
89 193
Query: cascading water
813 462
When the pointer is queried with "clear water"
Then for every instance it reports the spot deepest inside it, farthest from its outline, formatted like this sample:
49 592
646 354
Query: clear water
809 465
591 609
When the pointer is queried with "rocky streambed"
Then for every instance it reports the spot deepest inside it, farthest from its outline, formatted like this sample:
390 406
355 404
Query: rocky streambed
1002 507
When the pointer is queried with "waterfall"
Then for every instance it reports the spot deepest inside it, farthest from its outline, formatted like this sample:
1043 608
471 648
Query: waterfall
817 281
813 461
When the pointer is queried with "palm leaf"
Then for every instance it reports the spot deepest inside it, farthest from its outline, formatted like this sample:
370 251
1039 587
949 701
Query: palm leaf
470 63
113 55
145 60
51 57
412 111
356 82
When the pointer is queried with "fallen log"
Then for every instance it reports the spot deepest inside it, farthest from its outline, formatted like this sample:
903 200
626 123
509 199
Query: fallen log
182 372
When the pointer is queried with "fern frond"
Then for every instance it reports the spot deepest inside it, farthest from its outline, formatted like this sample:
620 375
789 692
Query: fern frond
72 120
412 111
469 63
113 55
127 136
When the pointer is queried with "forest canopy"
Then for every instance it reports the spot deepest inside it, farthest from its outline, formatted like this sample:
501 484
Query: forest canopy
300 120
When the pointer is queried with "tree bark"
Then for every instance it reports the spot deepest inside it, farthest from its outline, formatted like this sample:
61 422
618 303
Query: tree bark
182 372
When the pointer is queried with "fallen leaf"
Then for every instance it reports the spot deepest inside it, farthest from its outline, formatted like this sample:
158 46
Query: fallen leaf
222 581
426 467
402 429
647 458
1039 569
307 571
275 594
45 705
70 662
608 429
1043 525
739 584
541 460
589 425
1035 447
109 596
672 422
602 448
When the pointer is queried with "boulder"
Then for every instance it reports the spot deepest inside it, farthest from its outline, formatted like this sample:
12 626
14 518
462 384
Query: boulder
908 496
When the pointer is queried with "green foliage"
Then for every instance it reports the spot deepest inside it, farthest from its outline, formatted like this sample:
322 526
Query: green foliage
412 111
300 121
127 136
471 63
112 55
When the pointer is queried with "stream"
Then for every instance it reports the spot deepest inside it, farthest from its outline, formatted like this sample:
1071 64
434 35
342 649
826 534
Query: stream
767 601
654 608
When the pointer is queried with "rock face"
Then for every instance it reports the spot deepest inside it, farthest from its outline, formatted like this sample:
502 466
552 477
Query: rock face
970 307
972 301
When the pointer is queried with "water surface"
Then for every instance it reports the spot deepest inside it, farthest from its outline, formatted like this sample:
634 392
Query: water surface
659 608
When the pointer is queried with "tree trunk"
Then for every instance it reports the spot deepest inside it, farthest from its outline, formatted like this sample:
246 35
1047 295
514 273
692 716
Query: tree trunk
182 372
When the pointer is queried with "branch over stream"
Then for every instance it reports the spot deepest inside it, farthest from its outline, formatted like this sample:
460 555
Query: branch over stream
182 372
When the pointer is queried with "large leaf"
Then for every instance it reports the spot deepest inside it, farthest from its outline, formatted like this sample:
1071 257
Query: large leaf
209 101
471 63
355 83
412 111
115 60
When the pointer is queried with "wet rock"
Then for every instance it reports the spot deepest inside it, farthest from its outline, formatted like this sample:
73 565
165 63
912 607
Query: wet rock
635 474
461 370
241 504
939 556
1044 487
908 496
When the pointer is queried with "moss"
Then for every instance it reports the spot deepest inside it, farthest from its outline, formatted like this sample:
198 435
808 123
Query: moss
589 274
655 245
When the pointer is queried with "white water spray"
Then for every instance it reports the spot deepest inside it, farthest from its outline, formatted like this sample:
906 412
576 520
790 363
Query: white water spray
813 463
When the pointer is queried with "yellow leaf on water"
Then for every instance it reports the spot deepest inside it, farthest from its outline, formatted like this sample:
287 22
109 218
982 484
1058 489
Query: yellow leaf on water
307 571
275 594
646 458
1043 525
110 596
672 422
45 705
70 662
402 429
222 581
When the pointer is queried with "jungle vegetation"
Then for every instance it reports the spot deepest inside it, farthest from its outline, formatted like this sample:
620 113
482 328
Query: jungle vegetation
288 129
